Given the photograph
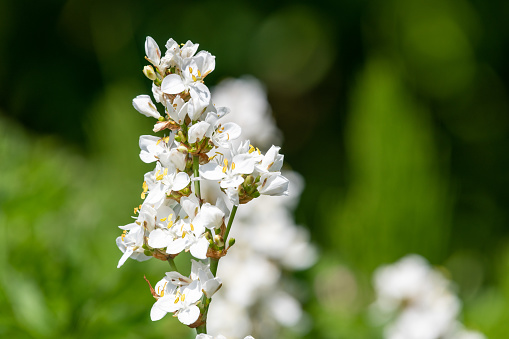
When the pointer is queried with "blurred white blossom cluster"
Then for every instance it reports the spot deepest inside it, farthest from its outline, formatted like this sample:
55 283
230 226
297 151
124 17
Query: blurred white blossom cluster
417 302
197 149
268 242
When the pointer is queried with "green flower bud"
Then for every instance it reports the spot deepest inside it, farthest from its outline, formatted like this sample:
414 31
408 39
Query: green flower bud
231 242
149 72
182 149
147 253
219 240
182 136
249 180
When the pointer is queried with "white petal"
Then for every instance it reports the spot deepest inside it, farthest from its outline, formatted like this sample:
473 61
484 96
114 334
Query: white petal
172 46
143 104
243 164
156 313
212 171
158 239
209 216
188 49
176 246
173 84
167 303
190 205
127 254
273 184
193 292
232 129
189 315
211 286
181 181
197 131
206 62
201 95
199 248
232 181
152 51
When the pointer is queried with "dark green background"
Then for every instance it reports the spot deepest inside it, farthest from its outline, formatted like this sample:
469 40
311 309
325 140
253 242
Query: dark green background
395 112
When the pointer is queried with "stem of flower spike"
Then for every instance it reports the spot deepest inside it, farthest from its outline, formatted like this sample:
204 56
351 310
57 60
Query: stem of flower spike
230 222
215 262
172 264
196 170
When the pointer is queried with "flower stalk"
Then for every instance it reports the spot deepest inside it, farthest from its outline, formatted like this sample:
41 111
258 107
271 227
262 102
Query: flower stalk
172 218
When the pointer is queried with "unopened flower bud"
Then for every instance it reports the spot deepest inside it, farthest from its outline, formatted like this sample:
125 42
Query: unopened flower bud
219 240
148 253
186 191
182 149
149 72
181 136
231 242
249 180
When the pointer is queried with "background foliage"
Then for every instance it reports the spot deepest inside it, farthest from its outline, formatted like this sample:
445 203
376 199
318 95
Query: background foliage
395 112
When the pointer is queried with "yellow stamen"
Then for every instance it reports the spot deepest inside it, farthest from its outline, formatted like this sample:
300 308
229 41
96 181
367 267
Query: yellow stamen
159 141
194 78
190 70
136 210
165 172
159 176
123 235
183 297
176 300
167 139
199 73
192 227
163 219
143 195
145 188
251 149
233 165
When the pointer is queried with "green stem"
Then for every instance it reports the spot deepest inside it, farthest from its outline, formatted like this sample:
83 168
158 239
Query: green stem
202 329
213 266
230 222
196 170
172 264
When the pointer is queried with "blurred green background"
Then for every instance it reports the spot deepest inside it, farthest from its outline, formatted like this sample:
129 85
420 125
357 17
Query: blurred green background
395 112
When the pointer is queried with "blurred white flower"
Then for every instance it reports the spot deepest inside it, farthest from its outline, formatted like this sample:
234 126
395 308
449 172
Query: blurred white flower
247 99
421 299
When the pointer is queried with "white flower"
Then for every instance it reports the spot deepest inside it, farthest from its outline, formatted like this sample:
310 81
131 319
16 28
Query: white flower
165 180
144 105
273 184
154 148
230 174
152 51
272 161
209 283
130 243
181 301
177 110
425 306
219 336
247 99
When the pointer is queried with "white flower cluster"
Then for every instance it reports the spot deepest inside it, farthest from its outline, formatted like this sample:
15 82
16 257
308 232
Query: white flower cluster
199 148
255 298
422 300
